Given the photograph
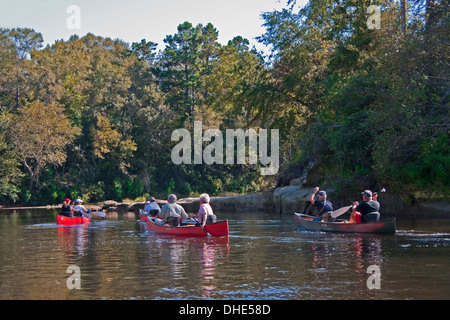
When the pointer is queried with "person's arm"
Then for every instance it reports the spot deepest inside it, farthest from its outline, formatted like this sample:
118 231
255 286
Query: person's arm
375 196
162 213
311 199
183 213
352 217
355 209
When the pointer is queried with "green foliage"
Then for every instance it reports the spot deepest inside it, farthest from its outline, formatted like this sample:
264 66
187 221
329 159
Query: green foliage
375 104
117 189
92 117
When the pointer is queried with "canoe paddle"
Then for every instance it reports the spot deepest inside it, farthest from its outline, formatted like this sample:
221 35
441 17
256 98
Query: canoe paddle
341 211
99 214
200 225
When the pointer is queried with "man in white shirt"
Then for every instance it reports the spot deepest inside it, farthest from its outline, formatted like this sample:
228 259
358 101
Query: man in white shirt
152 207
78 205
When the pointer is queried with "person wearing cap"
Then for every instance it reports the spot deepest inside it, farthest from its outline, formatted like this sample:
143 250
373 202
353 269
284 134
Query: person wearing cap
67 209
152 207
324 207
79 206
369 208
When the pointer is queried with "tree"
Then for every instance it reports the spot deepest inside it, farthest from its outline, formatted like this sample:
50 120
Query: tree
16 46
108 141
145 50
40 133
371 100
184 63
10 173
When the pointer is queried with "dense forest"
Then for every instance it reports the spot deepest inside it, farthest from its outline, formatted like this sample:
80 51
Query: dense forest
358 106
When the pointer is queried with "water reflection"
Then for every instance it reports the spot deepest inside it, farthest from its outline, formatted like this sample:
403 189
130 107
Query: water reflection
339 261
191 263
263 258
74 239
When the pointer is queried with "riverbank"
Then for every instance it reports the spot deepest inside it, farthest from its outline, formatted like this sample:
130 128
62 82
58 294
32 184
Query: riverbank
282 200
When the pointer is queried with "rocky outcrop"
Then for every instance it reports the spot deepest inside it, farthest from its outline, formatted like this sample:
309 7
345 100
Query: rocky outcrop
289 199
260 202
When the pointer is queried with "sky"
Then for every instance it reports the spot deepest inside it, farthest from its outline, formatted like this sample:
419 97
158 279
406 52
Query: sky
133 20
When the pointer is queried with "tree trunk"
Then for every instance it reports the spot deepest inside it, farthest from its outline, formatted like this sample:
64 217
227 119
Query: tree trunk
403 14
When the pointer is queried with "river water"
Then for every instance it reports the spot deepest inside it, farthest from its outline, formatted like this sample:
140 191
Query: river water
265 257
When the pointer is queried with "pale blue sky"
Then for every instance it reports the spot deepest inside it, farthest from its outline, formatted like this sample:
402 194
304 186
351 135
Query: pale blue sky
133 20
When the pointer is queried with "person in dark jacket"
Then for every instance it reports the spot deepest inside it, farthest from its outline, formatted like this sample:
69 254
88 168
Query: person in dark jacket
67 210
323 206
369 207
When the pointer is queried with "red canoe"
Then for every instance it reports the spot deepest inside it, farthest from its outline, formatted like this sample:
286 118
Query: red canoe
67 221
218 229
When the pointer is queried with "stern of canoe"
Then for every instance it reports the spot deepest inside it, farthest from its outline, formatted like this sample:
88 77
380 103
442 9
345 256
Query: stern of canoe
218 229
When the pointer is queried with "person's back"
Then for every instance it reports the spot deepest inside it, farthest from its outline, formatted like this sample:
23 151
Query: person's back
152 208
66 210
81 209
172 212
205 211
369 208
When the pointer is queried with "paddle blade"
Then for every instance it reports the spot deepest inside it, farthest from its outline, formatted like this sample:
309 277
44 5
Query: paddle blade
87 215
340 211
99 213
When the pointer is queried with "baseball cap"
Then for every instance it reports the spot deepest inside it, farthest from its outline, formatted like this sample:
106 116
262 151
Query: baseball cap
67 200
367 193
322 194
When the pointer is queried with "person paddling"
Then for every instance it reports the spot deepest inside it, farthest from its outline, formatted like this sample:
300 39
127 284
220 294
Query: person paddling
67 209
172 212
205 213
152 208
324 206
369 208
79 206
